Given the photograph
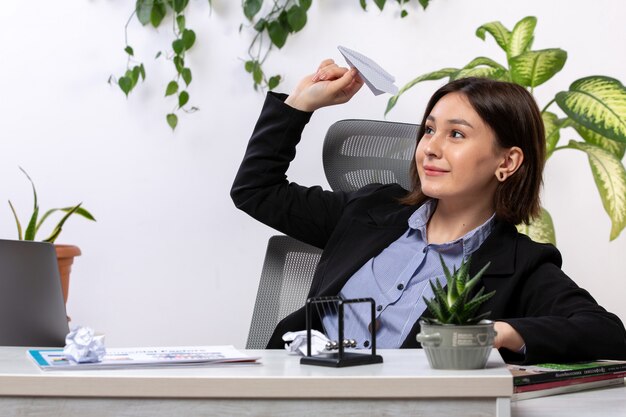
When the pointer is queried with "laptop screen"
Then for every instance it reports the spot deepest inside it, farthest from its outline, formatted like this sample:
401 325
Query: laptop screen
32 311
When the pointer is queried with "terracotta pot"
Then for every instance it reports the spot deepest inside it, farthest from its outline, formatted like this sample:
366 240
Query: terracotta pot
65 258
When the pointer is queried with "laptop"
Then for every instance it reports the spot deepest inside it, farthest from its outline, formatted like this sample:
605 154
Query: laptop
32 310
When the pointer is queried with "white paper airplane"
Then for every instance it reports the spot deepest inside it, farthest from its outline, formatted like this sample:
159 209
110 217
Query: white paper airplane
376 78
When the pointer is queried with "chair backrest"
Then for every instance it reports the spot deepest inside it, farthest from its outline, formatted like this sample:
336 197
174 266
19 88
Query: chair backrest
361 152
285 282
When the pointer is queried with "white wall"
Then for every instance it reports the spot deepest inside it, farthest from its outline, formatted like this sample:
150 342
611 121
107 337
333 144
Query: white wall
170 260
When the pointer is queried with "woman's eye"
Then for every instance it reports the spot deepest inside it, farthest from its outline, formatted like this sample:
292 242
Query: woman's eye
457 134
429 130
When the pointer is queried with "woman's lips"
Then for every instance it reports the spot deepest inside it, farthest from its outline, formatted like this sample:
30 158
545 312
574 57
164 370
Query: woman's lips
433 171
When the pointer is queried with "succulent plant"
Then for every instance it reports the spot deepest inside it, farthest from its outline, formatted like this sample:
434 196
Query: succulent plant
455 304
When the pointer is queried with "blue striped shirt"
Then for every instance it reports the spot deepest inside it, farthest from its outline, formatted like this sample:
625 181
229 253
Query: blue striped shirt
397 279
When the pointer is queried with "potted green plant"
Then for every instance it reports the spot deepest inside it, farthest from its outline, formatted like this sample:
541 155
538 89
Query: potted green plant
455 337
594 107
65 253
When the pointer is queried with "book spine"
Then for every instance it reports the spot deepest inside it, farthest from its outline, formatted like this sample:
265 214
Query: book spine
567 389
563 375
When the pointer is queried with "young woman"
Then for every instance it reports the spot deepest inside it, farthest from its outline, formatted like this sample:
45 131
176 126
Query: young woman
477 173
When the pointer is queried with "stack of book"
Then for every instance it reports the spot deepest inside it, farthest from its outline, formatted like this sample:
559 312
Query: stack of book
550 378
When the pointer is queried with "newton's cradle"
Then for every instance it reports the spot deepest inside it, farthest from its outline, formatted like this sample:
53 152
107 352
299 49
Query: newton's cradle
336 355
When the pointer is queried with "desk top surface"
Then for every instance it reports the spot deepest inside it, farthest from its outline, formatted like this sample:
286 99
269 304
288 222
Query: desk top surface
404 373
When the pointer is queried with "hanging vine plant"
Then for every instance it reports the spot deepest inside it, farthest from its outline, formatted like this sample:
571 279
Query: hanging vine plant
272 29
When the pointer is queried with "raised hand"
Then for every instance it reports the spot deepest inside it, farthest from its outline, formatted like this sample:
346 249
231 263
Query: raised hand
330 85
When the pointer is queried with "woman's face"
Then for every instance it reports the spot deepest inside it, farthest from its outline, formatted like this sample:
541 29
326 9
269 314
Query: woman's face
458 156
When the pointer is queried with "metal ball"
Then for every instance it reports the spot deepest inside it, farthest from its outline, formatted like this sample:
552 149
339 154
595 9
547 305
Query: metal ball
329 346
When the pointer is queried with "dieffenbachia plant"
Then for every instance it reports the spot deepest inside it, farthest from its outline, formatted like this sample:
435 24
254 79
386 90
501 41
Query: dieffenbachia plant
594 106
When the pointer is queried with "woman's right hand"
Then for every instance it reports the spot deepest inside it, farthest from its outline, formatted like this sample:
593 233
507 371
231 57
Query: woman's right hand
330 85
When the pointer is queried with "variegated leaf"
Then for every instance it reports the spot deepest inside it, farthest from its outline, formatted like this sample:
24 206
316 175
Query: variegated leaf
612 146
496 29
540 229
597 103
482 60
522 36
435 75
552 127
610 177
533 68
483 72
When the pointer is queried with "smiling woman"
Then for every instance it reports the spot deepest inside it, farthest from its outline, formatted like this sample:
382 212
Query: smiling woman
477 173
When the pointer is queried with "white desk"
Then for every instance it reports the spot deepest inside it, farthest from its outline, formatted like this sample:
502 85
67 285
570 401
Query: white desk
280 386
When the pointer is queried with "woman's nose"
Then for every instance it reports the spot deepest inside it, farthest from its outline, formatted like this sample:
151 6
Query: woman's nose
433 146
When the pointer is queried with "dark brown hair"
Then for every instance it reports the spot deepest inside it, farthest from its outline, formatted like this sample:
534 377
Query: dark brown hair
512 113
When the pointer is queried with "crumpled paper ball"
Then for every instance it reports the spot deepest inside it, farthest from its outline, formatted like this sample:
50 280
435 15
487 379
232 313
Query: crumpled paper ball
82 346
298 342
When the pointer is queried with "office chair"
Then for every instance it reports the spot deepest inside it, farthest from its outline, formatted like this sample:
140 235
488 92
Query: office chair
285 281
361 152
355 153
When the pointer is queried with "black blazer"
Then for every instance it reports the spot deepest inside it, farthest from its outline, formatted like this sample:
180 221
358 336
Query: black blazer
558 320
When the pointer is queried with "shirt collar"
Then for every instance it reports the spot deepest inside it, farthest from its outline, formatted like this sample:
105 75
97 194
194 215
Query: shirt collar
469 242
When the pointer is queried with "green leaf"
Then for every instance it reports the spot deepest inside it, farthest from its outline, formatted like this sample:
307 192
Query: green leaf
533 68
178 46
17 221
296 16
126 84
180 22
436 75
257 74
380 3
610 177
612 146
158 54
251 8
305 4
260 25
76 209
29 233
142 71
179 63
143 8
404 14
249 66
158 13
179 5
424 3
172 88
172 120
183 98
363 4
59 227
186 74
273 82
552 126
522 36
500 33
540 229
597 103
129 50
278 34
483 72
136 74
189 38
482 60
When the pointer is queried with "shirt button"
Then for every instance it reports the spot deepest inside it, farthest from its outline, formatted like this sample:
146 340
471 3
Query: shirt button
400 287
366 343
379 308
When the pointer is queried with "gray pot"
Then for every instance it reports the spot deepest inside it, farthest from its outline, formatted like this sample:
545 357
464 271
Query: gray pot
451 346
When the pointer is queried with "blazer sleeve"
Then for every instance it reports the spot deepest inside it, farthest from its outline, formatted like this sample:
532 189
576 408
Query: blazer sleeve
261 189
558 319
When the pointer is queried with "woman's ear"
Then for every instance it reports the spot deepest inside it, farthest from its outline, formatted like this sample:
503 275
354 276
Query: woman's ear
512 160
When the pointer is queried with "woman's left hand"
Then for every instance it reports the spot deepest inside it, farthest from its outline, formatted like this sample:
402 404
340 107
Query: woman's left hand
507 337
